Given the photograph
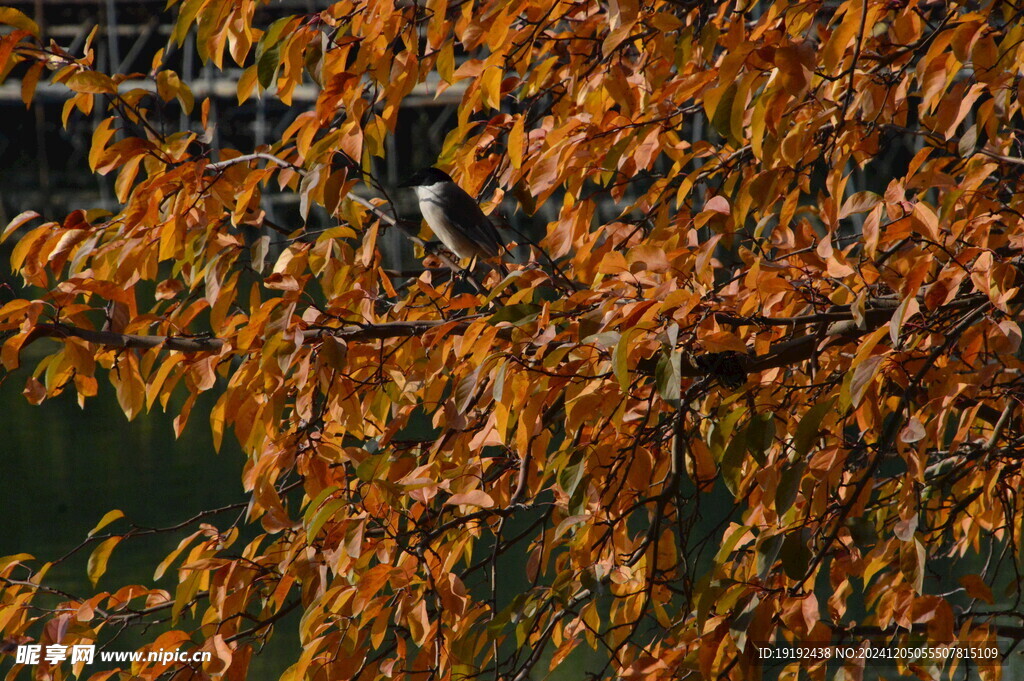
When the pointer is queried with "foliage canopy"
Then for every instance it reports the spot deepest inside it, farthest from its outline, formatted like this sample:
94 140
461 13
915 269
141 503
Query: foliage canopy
759 378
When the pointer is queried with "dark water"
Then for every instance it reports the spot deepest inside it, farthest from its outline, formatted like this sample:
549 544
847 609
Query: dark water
65 467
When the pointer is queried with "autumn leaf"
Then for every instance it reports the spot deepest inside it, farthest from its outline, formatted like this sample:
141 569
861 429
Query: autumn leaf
100 556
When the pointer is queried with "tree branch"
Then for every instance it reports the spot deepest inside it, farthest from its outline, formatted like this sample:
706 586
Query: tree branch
245 158
130 341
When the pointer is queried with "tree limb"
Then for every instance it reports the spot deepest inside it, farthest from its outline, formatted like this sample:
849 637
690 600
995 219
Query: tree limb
130 341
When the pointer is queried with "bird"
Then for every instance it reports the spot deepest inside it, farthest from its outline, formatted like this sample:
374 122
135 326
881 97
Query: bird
454 216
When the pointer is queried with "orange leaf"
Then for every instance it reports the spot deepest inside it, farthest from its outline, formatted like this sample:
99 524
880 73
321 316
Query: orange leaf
977 588
473 498
419 623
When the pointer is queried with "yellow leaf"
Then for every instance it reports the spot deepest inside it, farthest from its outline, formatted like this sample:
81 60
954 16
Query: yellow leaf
185 592
926 221
620 358
98 560
156 383
104 131
110 517
841 40
28 243
131 392
516 138
92 82
246 83
12 17
445 63
419 623
490 87
379 627
217 421
173 555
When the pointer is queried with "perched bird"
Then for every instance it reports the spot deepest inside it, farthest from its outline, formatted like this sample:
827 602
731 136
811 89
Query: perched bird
454 216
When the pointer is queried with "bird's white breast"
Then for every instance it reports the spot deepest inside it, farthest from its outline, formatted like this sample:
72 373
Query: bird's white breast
432 200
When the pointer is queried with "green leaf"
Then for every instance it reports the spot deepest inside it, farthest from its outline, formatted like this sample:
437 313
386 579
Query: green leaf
368 470
605 339
767 553
523 313
722 121
309 182
708 593
666 377
499 381
965 147
570 476
186 17
729 543
862 531
266 66
789 484
807 430
857 382
325 513
317 501
272 36
465 390
740 625
721 434
732 461
620 357
503 284
796 557
760 435
334 353
611 159
268 51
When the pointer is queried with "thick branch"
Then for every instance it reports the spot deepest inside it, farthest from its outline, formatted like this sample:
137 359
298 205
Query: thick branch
784 353
111 339
184 344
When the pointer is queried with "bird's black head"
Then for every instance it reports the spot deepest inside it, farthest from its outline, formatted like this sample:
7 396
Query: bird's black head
426 177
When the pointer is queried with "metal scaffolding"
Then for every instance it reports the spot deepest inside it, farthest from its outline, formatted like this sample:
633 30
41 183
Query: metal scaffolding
44 165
